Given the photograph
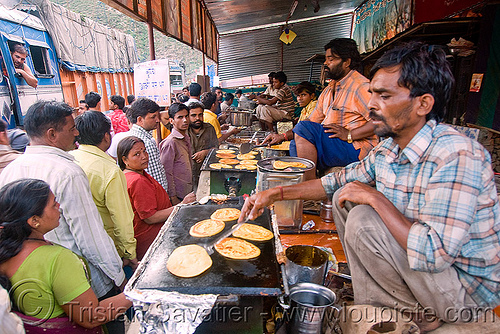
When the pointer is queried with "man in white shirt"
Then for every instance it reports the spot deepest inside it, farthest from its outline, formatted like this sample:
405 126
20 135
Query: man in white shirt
194 93
51 128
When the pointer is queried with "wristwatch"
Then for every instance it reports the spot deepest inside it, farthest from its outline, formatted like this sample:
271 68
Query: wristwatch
349 137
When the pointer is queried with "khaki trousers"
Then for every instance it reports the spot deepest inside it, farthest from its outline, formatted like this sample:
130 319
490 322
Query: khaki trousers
270 113
381 275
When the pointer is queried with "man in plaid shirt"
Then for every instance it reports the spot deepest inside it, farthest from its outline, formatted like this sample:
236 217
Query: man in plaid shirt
419 217
144 117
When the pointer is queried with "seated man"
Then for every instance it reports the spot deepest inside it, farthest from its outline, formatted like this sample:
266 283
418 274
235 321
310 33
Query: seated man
243 101
339 131
306 97
277 108
19 55
418 217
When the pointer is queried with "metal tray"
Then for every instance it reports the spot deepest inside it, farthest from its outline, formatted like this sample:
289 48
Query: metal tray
266 165
259 276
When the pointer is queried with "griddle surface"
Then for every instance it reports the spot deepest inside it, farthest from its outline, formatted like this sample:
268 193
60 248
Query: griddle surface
259 276
212 158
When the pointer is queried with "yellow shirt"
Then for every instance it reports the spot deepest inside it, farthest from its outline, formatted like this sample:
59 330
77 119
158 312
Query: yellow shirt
210 117
307 110
109 192
164 132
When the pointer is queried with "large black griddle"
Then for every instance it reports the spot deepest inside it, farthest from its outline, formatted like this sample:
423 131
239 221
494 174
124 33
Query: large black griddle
212 158
259 276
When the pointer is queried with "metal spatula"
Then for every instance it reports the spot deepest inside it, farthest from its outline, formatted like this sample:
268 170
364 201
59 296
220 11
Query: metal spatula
210 247
245 148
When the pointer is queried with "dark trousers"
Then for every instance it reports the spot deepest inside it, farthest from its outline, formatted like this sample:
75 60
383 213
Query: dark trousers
116 326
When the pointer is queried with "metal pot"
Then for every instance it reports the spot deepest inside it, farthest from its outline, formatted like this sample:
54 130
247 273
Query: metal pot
311 309
240 118
305 263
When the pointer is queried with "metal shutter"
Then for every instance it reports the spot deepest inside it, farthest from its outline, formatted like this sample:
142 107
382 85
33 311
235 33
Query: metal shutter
259 51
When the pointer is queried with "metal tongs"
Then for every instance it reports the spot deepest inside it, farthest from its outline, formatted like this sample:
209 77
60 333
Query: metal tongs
210 247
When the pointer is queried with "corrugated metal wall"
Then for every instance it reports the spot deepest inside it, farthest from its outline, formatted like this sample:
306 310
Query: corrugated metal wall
259 51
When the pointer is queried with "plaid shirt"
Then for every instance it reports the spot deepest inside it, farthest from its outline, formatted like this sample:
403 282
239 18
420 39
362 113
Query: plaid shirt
442 182
345 103
155 167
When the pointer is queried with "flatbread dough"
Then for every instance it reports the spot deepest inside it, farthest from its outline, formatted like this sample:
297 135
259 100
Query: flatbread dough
220 166
238 249
206 228
226 214
225 151
226 155
188 261
229 161
253 232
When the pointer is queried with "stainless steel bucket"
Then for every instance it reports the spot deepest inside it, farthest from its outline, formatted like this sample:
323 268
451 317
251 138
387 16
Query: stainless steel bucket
240 118
311 306
305 263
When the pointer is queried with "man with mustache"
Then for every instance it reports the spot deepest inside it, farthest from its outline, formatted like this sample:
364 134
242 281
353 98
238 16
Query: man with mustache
418 217
203 138
339 130
19 55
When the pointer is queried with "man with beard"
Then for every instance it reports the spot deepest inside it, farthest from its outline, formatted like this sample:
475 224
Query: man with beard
339 130
203 138
418 217
19 55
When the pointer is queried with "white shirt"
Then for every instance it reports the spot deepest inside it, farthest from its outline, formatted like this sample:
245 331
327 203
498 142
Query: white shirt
191 100
10 323
80 226
115 141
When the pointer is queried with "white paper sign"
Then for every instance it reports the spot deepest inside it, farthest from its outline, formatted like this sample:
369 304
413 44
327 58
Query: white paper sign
152 80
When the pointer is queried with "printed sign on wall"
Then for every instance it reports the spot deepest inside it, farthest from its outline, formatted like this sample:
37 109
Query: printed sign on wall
152 80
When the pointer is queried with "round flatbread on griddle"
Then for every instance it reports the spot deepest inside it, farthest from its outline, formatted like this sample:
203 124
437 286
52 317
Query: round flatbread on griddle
206 228
237 249
241 166
249 162
188 261
250 167
229 161
253 232
220 166
225 155
226 214
225 151
246 156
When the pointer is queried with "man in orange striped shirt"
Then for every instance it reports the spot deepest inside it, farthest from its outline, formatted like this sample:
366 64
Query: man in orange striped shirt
338 131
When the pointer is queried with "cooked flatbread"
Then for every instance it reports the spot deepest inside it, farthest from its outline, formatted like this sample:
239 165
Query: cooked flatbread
188 261
246 156
242 166
226 155
251 167
206 228
225 151
253 152
249 162
226 214
238 249
297 164
253 232
220 166
229 161
278 164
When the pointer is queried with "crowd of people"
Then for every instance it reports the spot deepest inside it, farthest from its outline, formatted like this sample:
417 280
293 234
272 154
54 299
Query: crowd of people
415 203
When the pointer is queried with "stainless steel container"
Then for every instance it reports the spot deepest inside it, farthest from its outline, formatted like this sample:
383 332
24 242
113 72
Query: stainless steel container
311 306
288 213
240 118
305 263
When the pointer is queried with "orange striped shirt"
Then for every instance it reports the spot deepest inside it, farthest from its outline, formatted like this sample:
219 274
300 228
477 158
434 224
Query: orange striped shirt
349 107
